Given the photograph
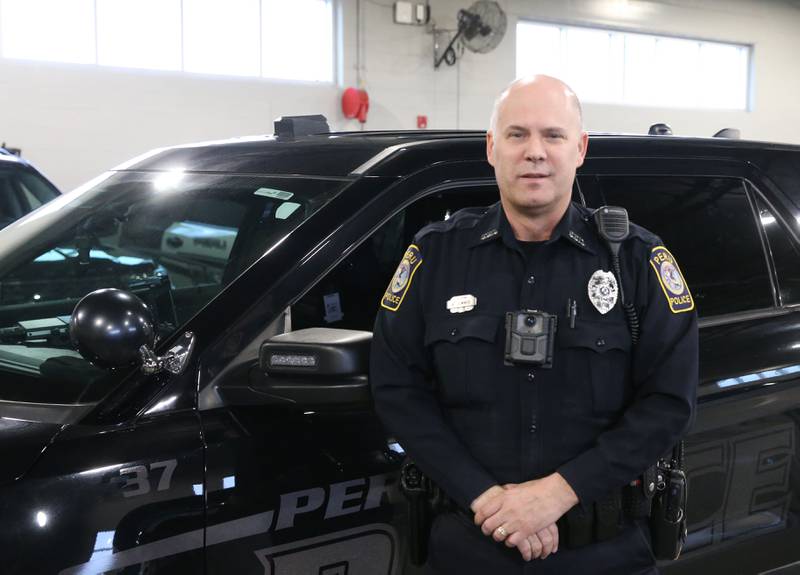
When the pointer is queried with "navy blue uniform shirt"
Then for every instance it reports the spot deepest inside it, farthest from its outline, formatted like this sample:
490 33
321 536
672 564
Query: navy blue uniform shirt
604 412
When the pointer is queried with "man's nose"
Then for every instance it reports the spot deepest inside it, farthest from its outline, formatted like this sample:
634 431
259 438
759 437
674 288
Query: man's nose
535 151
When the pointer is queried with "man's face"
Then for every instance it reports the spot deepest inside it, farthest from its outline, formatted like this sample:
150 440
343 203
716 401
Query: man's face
535 148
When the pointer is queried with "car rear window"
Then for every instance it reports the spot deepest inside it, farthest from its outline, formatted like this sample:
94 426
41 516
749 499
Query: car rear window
21 191
710 227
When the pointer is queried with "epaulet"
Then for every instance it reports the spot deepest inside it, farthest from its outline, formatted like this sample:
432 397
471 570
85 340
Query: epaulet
463 219
643 234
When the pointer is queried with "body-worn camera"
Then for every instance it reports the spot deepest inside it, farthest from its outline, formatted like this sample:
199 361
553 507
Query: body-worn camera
530 337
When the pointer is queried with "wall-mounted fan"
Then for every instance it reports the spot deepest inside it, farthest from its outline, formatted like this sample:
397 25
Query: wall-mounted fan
481 27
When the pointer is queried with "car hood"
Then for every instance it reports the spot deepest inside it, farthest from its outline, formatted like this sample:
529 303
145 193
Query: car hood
21 443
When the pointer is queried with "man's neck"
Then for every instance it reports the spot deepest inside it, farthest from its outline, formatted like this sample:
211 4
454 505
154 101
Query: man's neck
534 227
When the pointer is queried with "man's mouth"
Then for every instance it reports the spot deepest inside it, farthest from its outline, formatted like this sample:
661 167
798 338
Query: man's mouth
534 175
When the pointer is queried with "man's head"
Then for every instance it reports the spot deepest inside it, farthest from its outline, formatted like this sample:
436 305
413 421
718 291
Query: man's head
535 143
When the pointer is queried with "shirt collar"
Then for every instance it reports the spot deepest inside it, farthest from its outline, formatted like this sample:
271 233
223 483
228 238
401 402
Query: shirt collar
573 229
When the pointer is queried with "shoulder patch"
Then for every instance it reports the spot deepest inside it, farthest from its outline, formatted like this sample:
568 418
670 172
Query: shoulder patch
401 280
671 279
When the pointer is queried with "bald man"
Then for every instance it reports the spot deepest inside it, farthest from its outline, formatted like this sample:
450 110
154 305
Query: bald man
539 440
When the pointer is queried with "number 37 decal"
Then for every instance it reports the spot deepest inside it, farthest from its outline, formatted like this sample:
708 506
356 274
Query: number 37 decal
139 480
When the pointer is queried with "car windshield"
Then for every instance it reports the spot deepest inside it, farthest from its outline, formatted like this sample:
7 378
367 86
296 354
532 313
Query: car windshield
175 239
22 190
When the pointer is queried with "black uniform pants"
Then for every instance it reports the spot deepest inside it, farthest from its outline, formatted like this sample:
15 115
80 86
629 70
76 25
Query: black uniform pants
457 546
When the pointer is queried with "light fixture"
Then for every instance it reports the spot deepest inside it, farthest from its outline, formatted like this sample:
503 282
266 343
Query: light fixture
292 360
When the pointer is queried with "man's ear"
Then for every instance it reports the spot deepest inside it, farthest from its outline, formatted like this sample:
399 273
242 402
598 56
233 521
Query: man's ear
583 145
490 147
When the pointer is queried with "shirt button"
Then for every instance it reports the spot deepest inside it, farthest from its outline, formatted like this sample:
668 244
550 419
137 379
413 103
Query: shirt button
533 428
454 331
531 375
600 342
531 280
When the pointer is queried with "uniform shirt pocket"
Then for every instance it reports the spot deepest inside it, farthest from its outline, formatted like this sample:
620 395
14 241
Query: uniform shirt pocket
465 354
597 355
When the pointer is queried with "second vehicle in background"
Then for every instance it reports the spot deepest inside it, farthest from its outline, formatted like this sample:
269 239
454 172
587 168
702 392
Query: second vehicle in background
22 188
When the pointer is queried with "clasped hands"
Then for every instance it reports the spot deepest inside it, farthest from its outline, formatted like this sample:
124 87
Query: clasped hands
524 515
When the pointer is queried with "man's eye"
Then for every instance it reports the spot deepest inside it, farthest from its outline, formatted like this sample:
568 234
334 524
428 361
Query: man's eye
556 136
515 135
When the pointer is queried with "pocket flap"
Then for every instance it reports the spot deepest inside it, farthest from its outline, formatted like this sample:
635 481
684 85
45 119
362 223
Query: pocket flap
460 327
597 336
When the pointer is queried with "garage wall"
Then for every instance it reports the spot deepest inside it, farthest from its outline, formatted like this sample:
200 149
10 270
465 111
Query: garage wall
770 26
75 121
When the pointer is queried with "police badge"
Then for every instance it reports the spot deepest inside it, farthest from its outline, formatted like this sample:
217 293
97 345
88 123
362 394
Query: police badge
603 291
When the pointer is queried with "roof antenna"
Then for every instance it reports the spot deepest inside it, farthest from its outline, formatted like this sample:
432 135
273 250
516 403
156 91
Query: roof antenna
732 133
660 130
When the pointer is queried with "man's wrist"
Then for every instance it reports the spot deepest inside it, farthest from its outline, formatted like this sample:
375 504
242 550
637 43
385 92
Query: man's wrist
566 495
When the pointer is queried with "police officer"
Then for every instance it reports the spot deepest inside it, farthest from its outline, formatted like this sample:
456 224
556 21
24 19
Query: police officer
518 443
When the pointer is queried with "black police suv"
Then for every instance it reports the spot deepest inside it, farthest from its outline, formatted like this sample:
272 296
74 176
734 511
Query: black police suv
224 422
22 188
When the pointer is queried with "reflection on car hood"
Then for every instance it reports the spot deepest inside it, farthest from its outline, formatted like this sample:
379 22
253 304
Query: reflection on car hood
21 443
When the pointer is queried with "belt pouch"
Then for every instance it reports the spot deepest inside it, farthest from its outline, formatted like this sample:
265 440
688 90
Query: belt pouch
576 527
607 517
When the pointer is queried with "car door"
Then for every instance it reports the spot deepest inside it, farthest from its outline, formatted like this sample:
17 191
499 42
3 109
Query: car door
293 488
122 497
742 449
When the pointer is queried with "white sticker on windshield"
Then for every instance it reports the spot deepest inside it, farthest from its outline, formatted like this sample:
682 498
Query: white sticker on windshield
333 307
285 210
272 193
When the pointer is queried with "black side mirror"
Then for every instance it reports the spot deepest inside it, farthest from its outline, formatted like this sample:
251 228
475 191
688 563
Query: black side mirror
316 367
114 328
109 326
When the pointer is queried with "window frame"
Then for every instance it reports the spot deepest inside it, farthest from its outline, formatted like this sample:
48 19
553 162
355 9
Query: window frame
787 229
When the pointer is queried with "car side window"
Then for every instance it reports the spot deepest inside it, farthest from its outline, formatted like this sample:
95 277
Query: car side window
710 227
785 254
348 297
